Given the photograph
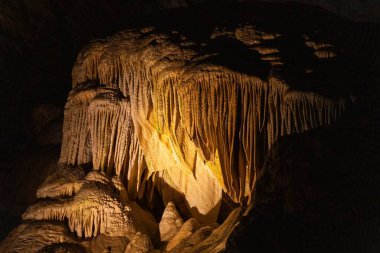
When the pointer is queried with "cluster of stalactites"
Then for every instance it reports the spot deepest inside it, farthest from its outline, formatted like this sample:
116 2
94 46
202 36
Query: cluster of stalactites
98 131
232 118
236 118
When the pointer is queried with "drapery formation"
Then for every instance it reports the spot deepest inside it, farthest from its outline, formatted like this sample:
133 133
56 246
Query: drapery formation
173 111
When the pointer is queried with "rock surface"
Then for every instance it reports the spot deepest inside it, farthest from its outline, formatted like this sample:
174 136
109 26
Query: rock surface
170 223
23 238
198 114
186 116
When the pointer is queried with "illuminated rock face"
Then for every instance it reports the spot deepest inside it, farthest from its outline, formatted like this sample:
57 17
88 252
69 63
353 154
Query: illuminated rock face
98 219
157 109
184 119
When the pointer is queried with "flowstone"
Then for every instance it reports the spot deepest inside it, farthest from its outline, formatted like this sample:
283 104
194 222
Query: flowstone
184 119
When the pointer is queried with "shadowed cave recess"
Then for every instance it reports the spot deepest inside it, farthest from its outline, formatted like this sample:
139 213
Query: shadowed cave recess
203 127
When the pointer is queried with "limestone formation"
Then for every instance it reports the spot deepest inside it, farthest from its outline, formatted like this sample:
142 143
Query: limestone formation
112 144
170 223
159 115
184 117
93 210
93 213
187 229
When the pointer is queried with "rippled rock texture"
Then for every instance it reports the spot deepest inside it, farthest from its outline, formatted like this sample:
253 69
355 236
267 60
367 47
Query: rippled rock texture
160 108
184 114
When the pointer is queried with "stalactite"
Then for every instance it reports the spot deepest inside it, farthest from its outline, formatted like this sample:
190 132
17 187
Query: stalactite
110 131
193 123
76 141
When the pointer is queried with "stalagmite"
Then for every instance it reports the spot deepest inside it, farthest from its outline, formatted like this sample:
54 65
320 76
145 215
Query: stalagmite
187 229
170 223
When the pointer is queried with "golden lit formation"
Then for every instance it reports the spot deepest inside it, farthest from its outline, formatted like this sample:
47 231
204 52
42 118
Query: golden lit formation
158 117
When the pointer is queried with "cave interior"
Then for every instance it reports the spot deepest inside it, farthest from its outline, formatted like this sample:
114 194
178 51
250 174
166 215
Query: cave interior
189 126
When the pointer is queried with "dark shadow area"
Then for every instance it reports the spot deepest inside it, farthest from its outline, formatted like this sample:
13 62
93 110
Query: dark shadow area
20 174
319 190
39 42
357 53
